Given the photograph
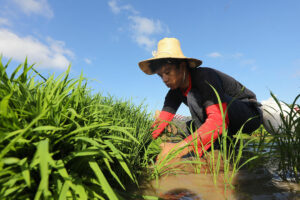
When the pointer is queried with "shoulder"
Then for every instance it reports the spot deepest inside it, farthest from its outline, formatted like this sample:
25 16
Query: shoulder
204 73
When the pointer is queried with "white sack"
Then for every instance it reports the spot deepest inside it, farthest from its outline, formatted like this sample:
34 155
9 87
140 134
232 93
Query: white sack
272 120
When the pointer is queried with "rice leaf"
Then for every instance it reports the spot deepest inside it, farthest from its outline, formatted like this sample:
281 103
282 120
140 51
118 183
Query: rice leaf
25 171
87 152
10 160
89 140
123 130
15 72
4 105
47 128
122 162
103 181
7 148
113 173
86 128
81 192
43 154
64 191
11 190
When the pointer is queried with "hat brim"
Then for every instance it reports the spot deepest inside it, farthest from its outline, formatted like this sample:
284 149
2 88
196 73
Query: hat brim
145 64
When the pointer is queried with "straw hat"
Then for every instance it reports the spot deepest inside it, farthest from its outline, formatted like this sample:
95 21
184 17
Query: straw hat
167 48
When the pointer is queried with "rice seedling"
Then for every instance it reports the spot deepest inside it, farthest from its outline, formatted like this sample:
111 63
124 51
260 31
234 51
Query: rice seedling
231 150
277 145
257 147
284 145
57 141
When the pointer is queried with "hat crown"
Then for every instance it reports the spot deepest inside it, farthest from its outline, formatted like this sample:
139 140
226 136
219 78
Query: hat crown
168 47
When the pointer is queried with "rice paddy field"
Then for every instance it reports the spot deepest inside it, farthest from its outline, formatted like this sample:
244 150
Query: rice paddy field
59 141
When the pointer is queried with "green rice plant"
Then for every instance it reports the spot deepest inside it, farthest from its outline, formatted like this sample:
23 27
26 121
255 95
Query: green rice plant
57 141
231 149
259 146
284 147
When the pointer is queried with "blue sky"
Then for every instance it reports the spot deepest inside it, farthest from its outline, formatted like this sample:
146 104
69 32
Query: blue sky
257 42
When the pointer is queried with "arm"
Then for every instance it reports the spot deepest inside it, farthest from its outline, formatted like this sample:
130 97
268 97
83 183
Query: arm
202 137
211 129
172 102
162 122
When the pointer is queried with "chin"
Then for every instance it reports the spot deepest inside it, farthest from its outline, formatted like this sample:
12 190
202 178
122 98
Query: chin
172 87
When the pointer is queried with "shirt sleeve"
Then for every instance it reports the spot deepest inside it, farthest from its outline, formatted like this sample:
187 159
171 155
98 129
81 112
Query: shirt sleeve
172 102
211 129
208 84
161 123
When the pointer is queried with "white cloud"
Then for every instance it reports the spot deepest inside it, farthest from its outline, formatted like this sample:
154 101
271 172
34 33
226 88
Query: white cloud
39 7
237 55
87 61
4 22
214 55
143 30
145 26
59 47
51 55
145 41
116 9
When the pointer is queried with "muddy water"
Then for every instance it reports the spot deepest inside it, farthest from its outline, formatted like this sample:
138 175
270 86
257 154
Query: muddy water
260 184
188 187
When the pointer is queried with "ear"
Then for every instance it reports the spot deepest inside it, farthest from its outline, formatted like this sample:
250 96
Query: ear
182 65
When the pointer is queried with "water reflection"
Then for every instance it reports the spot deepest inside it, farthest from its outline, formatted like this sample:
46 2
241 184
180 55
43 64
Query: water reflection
180 194
261 183
264 184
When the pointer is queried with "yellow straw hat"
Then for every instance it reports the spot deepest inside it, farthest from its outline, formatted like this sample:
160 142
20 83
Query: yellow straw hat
167 48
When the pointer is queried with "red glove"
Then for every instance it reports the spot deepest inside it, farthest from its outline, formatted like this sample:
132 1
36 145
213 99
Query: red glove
212 125
162 122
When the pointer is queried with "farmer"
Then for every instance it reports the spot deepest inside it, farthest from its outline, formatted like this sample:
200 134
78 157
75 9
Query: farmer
193 86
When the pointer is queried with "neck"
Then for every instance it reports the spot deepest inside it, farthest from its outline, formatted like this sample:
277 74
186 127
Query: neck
185 80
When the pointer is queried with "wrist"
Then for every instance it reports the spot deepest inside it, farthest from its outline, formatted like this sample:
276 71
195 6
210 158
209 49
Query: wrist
184 146
155 135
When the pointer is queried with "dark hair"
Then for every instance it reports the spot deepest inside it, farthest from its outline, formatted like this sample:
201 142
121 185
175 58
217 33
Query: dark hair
155 65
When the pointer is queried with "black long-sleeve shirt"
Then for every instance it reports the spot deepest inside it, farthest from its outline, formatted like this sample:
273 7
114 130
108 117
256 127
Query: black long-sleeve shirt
226 86
202 79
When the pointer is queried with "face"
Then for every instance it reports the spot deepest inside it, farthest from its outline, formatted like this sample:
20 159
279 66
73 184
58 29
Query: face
171 75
